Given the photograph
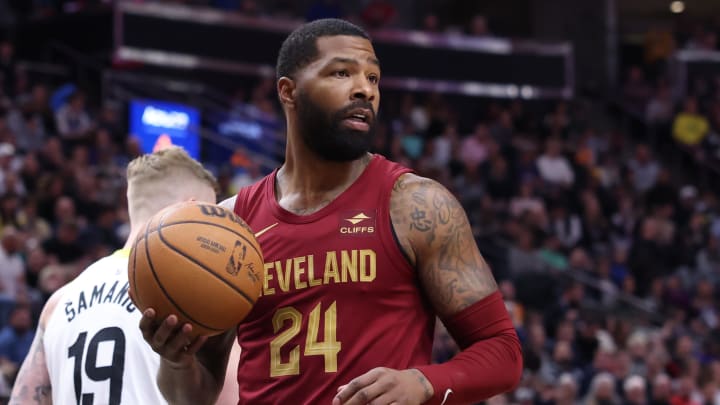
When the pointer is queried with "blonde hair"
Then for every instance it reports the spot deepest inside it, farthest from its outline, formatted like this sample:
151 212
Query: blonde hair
155 166
164 177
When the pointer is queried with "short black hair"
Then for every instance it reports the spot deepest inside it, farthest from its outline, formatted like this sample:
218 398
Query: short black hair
300 48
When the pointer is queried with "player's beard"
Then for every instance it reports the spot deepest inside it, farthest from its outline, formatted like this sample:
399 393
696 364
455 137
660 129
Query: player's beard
324 134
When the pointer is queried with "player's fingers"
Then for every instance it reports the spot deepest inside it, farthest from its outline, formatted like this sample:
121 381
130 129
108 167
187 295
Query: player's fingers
355 392
387 398
163 333
147 324
176 343
196 345
372 392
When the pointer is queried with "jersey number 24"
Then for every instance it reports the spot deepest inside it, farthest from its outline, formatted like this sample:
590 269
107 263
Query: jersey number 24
328 348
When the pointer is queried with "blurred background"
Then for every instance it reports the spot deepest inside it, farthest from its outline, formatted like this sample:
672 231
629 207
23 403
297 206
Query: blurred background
582 137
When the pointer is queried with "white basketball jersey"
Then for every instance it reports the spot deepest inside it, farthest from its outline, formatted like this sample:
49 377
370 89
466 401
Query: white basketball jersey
94 348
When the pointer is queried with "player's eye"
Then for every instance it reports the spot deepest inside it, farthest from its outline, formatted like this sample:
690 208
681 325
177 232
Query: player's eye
341 73
374 79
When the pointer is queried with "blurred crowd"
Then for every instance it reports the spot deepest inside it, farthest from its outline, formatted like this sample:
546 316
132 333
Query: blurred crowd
372 14
684 107
610 266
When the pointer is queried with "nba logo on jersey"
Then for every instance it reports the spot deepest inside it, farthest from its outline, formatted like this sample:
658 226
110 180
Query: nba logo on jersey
357 222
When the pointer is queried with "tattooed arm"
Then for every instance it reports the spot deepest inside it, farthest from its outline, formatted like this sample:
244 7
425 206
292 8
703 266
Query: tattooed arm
435 235
32 385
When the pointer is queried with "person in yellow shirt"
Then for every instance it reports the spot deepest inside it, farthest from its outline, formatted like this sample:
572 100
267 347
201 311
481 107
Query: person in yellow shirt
690 127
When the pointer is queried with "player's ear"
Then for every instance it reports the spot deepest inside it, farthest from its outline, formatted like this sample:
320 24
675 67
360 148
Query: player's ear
286 91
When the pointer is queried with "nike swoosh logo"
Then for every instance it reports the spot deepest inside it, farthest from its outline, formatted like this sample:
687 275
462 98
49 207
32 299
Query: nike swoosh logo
447 394
262 231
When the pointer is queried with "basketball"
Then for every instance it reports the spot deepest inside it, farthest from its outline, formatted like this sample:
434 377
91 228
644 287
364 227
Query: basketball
198 261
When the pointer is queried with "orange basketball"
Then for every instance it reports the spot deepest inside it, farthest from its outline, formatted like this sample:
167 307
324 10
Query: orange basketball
200 262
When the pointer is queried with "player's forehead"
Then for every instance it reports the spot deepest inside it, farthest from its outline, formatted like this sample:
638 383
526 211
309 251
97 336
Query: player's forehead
344 47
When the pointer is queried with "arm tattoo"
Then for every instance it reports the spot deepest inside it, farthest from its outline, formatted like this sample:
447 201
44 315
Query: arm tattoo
424 382
32 385
435 233
41 393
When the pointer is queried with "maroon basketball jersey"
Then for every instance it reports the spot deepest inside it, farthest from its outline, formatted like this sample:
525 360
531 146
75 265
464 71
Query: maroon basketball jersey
339 298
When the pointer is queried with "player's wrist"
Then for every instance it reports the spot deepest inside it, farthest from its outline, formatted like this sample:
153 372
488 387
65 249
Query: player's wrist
439 381
428 389
182 365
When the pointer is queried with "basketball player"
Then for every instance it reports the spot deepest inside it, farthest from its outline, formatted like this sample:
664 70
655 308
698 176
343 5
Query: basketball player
88 349
361 255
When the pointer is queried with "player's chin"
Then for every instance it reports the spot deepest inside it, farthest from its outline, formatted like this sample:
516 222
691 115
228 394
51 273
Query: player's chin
348 152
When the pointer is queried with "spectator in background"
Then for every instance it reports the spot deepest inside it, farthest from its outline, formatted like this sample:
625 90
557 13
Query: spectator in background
567 391
661 390
646 261
474 149
644 169
708 258
445 146
523 256
12 267
526 200
73 121
554 168
28 129
660 108
499 179
17 336
109 121
65 245
565 225
634 390
690 127
636 91
602 390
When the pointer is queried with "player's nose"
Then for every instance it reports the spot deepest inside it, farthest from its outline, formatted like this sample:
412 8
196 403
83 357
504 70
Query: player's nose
363 90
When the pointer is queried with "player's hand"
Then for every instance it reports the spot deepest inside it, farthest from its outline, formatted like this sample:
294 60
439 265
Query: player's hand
173 342
383 386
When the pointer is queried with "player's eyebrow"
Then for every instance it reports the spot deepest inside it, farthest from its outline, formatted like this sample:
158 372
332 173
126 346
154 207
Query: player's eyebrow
340 59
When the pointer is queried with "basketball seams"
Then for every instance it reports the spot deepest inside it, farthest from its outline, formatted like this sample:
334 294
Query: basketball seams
157 279
134 274
200 265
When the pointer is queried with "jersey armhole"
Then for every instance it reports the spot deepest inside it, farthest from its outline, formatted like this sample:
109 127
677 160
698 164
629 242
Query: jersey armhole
388 236
399 245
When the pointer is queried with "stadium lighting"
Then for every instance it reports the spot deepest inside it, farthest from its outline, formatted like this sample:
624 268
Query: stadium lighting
677 7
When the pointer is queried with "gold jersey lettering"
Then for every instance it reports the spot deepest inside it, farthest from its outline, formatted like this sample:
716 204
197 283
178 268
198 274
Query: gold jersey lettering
298 269
367 265
299 273
312 281
267 290
349 265
331 268
284 274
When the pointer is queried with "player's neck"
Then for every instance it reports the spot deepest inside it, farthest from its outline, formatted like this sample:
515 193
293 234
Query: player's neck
306 182
131 237
316 175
